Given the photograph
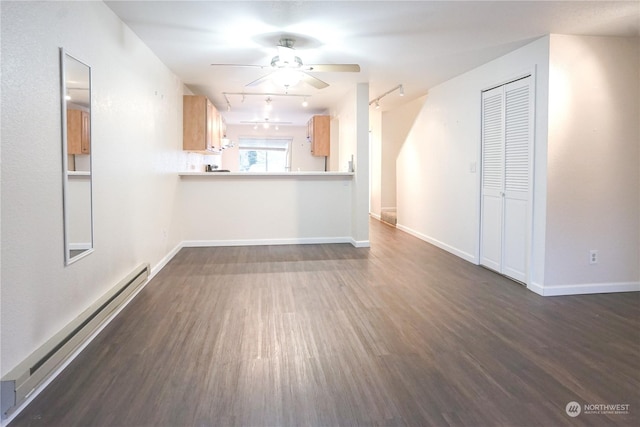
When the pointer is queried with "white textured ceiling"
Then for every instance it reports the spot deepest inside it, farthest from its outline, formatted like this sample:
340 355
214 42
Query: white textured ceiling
415 43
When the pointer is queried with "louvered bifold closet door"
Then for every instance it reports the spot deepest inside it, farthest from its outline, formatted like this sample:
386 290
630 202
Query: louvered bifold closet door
507 138
492 177
518 137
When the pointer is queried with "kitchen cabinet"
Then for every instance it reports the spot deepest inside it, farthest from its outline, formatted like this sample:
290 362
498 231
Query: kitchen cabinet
318 135
201 125
78 132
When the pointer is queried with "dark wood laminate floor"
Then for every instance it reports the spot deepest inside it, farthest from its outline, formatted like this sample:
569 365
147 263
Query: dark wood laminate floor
325 335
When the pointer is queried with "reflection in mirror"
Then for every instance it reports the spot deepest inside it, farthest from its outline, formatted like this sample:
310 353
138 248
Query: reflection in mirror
76 157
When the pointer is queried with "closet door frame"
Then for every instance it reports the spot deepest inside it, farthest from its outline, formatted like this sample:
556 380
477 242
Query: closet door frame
528 72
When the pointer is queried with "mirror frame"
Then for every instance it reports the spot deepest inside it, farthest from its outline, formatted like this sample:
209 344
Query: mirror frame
68 258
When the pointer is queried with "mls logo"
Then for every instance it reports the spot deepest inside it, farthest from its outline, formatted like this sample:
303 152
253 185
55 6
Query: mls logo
573 409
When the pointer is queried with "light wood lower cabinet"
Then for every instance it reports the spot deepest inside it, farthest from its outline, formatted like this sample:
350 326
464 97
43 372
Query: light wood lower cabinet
318 134
201 125
78 132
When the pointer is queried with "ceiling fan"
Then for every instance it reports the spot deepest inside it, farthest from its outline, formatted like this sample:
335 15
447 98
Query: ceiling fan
288 68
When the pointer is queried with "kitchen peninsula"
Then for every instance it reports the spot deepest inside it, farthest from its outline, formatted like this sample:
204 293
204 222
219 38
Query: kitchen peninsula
271 207
298 174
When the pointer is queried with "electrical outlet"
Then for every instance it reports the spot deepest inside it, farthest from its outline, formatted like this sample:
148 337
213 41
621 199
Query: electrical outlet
593 257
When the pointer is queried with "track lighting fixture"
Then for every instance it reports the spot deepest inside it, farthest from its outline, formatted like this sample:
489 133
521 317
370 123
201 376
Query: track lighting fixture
376 101
268 100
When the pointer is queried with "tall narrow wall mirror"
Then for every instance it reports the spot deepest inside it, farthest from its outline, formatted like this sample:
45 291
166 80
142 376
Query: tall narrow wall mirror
75 93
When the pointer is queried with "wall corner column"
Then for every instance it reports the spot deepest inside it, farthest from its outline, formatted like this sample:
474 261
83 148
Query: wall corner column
360 194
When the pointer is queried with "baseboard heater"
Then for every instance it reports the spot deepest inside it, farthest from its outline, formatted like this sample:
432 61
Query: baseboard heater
21 381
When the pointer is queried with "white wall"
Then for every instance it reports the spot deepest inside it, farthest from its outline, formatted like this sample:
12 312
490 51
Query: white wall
136 149
594 166
396 124
437 192
344 118
375 153
334 144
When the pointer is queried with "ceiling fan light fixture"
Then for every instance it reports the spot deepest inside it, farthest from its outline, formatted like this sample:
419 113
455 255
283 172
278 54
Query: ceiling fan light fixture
377 105
286 56
305 103
287 77
401 90
286 63
268 107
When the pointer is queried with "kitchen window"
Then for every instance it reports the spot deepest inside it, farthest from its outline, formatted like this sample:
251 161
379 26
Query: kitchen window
264 155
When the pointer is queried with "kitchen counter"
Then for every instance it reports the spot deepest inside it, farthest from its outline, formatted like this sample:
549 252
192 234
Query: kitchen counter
346 175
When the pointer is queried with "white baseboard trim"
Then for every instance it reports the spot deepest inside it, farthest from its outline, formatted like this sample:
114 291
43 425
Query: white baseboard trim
457 252
164 261
266 242
360 243
583 289
375 216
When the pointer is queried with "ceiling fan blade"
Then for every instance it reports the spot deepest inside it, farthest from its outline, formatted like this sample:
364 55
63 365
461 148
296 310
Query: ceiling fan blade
239 65
260 80
313 81
333 68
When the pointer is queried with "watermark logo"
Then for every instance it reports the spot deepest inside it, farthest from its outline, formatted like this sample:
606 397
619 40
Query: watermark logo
606 408
573 409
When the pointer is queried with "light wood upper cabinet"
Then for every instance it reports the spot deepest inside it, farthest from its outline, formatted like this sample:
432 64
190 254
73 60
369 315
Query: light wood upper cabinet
78 132
318 134
201 125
